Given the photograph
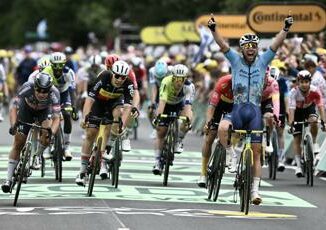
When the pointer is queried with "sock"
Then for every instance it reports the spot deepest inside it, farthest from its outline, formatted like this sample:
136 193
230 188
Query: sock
11 168
298 160
255 184
84 162
280 154
204 162
66 138
157 154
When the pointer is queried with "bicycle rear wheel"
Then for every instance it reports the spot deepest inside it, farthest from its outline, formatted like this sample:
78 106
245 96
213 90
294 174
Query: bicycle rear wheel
21 171
309 161
220 171
95 168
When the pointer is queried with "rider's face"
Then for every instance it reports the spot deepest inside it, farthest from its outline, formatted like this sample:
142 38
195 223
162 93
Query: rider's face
178 82
41 95
304 85
118 80
250 51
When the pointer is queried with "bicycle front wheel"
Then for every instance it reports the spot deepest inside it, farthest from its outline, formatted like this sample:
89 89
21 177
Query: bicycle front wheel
116 163
58 154
22 170
212 172
245 187
220 171
309 160
96 167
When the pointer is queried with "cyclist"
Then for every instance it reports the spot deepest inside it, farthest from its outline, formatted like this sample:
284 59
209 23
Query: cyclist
284 111
270 105
248 73
302 106
156 75
112 90
176 96
64 79
220 102
141 77
37 101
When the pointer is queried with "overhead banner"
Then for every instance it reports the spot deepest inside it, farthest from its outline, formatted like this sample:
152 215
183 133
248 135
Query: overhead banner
269 18
229 26
154 35
181 31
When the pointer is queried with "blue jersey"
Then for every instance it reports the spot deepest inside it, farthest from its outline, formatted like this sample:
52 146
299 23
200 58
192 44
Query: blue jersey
248 80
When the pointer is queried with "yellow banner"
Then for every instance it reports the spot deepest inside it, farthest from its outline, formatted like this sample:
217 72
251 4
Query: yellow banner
308 18
229 26
154 35
181 31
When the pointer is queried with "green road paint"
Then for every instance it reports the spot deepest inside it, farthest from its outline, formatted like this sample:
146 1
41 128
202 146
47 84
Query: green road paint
141 193
4 150
124 176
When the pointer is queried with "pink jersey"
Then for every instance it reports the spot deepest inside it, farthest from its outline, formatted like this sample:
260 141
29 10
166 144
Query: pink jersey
298 100
271 91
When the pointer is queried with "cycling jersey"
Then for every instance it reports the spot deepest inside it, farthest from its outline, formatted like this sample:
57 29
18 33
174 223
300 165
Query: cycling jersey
298 100
271 91
171 96
222 91
88 74
318 80
65 82
248 80
153 80
103 90
27 95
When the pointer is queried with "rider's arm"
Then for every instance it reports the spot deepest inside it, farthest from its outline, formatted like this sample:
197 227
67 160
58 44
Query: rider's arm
153 93
281 36
292 105
217 37
276 99
87 106
161 106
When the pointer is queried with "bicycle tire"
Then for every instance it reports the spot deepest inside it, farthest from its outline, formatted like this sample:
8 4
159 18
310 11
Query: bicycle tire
135 127
24 160
309 160
95 168
274 156
116 165
247 182
42 166
211 172
220 171
168 154
240 182
58 155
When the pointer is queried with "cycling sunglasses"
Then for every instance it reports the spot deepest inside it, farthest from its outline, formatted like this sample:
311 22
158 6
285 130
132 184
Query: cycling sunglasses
180 78
250 46
116 76
58 65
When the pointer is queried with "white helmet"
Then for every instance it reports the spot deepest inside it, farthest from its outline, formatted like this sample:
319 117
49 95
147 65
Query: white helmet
248 38
43 62
121 68
95 60
274 72
58 58
180 70
136 61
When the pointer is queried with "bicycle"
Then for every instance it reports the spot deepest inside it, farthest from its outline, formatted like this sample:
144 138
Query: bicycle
307 153
23 169
215 169
273 156
243 176
170 140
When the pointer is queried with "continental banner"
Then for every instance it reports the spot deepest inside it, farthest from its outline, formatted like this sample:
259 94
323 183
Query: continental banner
229 26
269 18
181 31
154 35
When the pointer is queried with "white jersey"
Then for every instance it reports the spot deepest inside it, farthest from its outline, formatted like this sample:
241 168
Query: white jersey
318 80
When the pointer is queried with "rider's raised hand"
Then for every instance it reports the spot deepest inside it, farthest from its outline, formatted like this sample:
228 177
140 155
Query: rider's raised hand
288 21
211 23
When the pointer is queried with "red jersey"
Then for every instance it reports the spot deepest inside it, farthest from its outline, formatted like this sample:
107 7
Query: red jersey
222 91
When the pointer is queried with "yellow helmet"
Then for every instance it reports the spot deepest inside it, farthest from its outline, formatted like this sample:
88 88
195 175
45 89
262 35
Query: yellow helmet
3 53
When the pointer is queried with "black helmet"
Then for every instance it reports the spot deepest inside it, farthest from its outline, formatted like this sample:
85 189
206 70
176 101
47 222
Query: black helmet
43 82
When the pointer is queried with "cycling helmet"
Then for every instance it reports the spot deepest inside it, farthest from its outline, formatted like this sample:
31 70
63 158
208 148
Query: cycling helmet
180 70
95 60
274 72
43 81
110 59
43 62
58 58
68 50
248 38
304 75
136 61
160 69
121 68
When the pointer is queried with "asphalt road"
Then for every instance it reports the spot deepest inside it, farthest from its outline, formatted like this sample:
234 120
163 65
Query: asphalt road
141 202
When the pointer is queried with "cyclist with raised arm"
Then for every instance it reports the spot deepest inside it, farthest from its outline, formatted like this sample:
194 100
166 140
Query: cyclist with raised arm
302 106
64 79
248 73
37 101
220 102
112 90
176 96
